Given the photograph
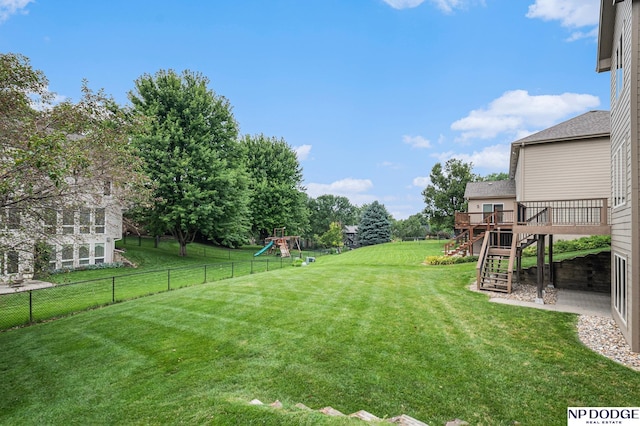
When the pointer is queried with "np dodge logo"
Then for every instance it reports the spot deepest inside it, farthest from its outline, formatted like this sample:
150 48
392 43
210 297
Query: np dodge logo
626 416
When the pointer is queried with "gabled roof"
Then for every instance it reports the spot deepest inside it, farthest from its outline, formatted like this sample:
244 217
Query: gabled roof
351 229
491 189
590 125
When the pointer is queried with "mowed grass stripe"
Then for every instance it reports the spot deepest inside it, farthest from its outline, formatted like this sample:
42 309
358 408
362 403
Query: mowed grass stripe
347 331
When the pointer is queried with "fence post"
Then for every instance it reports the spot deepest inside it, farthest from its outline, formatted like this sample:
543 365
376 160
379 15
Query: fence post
168 279
205 273
30 306
231 269
251 272
113 289
267 265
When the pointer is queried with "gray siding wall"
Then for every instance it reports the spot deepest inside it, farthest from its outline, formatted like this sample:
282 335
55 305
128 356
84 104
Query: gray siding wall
623 106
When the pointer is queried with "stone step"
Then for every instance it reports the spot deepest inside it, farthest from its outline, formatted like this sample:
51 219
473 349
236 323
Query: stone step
403 419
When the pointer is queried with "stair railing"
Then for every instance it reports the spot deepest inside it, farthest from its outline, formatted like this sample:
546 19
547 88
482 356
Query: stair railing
482 258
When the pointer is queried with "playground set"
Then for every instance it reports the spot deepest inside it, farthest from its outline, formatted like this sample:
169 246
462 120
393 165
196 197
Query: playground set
280 241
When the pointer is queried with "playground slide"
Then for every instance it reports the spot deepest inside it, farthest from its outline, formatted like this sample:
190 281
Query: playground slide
263 249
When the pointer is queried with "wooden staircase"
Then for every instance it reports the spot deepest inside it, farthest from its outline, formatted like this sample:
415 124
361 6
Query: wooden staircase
463 243
495 262
496 274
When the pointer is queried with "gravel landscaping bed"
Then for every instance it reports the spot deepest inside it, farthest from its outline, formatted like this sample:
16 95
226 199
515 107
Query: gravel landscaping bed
599 334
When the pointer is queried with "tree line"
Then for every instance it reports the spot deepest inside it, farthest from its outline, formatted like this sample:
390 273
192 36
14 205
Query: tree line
176 159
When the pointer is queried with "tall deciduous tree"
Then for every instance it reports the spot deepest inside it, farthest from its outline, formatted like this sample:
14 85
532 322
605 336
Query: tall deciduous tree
57 155
333 238
330 208
193 156
375 225
414 226
445 195
277 197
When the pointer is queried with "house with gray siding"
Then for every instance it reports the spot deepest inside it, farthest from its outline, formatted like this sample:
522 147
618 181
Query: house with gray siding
618 53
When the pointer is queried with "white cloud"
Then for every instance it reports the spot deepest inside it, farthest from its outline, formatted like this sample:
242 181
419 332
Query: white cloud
404 4
354 189
577 35
517 111
421 181
11 7
416 141
570 13
391 165
447 6
302 151
495 157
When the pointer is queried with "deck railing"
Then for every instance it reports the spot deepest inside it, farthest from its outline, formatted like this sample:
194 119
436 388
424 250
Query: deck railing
588 212
464 219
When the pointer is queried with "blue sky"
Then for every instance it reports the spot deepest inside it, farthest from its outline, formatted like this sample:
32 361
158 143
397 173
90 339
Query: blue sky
370 93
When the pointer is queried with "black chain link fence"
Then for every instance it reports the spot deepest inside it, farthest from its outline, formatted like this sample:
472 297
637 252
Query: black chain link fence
26 306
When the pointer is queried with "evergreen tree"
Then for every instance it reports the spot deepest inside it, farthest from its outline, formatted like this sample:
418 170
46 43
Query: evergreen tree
375 225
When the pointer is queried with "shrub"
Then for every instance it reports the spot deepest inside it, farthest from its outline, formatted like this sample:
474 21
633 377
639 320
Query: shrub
297 262
564 246
449 260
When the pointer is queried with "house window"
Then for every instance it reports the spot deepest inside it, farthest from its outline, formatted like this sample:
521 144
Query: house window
13 262
13 219
50 219
619 171
620 286
99 221
68 221
85 221
98 253
51 252
83 254
488 210
619 67
67 256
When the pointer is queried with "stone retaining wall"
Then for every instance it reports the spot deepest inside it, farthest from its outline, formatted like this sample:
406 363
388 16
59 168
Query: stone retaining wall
590 273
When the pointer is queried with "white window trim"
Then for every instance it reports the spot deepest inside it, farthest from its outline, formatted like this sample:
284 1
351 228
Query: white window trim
620 286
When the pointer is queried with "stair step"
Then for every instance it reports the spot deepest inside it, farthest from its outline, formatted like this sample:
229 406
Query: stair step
330 411
405 420
402 419
365 415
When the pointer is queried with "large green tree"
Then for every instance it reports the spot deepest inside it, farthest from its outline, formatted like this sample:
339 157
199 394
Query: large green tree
375 225
330 208
192 154
333 238
277 197
445 194
415 226
55 155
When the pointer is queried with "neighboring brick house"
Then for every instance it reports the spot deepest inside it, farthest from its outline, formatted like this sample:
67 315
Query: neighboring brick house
619 54
82 232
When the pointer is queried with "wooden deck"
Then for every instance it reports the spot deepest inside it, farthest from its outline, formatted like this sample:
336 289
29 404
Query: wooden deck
556 217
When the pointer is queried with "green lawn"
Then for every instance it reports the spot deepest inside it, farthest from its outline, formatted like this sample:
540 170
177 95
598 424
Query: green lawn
370 329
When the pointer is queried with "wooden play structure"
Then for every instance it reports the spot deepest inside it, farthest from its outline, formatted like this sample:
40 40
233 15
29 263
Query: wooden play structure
282 242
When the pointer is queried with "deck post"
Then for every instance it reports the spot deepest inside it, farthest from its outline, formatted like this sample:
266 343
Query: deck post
540 255
552 277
